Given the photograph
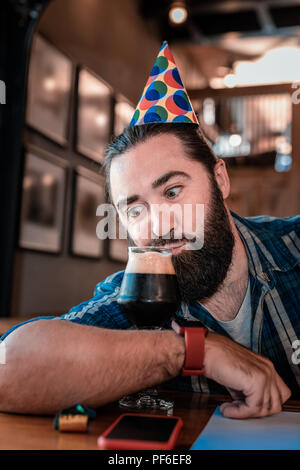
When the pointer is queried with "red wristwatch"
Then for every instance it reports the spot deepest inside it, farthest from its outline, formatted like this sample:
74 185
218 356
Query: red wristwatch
194 337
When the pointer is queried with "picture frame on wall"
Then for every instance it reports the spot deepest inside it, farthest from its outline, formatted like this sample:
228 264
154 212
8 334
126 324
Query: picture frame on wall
50 82
43 201
123 112
88 194
94 115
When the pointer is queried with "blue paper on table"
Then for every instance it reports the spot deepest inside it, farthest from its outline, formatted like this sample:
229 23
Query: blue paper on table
277 432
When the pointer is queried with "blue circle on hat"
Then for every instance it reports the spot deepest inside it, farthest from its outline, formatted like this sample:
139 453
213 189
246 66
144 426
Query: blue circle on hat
180 98
182 118
156 114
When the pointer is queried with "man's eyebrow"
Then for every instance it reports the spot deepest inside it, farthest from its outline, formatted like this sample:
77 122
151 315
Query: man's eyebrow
158 182
164 178
126 201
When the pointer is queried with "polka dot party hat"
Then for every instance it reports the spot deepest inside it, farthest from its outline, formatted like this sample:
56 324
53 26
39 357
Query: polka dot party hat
164 98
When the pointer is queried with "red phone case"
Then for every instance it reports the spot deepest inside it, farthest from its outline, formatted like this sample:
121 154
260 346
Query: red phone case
105 443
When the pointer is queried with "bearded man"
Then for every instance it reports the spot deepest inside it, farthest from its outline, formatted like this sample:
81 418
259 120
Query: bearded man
243 285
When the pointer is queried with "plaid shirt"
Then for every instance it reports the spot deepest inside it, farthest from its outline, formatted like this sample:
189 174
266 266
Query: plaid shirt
273 249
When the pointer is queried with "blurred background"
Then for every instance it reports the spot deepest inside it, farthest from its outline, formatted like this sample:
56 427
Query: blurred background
71 72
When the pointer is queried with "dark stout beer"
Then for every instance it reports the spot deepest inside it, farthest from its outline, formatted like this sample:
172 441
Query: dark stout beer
149 295
149 292
149 299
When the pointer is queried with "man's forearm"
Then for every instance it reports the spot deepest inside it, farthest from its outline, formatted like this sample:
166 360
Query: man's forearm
52 364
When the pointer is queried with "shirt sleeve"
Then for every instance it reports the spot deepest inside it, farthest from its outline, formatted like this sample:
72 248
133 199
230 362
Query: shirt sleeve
102 310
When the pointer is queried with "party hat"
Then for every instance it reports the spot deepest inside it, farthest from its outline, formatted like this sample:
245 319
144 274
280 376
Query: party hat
164 98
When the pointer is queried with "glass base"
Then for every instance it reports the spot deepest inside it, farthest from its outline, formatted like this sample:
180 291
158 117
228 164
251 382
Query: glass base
147 399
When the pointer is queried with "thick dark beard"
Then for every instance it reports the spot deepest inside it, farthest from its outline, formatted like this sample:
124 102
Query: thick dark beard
201 272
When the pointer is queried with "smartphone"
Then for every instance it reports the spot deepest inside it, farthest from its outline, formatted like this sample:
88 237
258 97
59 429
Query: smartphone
141 432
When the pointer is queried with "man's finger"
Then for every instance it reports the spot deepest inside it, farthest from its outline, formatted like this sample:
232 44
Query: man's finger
236 394
238 410
275 399
283 390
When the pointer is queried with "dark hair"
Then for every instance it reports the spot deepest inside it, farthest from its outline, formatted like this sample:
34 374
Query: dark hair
190 136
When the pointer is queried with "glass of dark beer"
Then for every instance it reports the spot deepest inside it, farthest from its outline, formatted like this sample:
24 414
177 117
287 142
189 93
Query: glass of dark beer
149 296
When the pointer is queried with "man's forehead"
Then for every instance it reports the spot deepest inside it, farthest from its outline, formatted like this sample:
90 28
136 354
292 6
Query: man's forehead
150 158
161 147
146 161
139 167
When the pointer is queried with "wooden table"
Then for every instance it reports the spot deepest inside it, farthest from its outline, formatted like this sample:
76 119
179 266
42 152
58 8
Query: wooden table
37 432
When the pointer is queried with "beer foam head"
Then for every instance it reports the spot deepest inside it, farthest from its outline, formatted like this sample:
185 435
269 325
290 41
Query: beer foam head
150 262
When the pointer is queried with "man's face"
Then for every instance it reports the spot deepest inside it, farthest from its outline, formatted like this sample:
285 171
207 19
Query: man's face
147 183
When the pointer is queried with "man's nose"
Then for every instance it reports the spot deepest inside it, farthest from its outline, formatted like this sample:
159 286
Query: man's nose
161 220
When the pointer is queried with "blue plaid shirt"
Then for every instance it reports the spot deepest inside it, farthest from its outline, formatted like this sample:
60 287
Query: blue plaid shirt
273 249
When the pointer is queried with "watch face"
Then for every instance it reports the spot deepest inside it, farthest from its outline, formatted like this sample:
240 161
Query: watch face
190 324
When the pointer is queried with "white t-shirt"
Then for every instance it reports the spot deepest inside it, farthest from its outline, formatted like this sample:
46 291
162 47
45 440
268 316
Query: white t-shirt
239 329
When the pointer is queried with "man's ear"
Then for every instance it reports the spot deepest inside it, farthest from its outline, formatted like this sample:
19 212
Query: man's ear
222 178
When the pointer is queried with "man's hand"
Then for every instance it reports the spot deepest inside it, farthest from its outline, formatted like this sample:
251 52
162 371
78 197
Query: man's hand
251 379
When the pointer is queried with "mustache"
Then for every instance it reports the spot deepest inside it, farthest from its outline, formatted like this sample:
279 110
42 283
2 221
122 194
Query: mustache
170 240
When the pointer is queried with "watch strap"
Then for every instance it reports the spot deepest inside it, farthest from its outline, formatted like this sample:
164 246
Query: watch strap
194 338
194 351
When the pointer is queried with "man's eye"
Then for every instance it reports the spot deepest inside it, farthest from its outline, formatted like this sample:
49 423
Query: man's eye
173 192
134 211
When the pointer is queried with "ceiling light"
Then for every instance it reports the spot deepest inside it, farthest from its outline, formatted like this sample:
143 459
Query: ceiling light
178 13
235 140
